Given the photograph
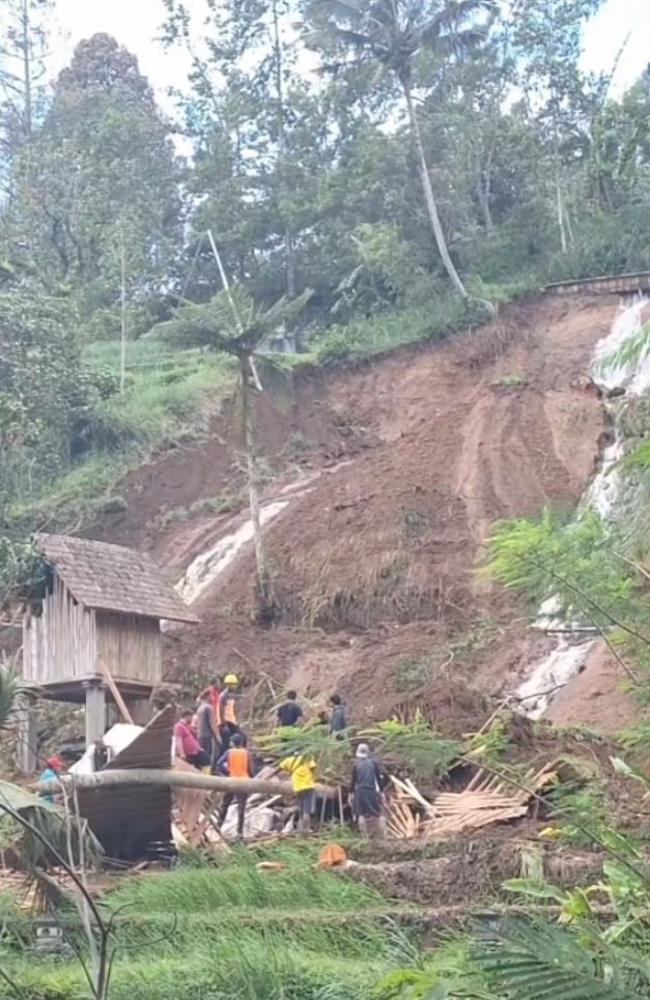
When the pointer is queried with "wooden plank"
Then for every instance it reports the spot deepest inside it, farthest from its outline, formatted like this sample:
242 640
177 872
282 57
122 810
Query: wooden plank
605 284
117 697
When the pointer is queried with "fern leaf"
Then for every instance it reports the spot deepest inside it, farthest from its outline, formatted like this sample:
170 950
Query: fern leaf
533 961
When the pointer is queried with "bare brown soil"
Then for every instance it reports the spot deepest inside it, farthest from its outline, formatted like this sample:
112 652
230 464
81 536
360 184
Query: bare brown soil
598 697
472 871
413 457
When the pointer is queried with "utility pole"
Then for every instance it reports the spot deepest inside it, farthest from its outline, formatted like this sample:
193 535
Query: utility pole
247 368
123 315
290 256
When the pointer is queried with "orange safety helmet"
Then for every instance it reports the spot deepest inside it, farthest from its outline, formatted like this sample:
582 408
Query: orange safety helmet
332 856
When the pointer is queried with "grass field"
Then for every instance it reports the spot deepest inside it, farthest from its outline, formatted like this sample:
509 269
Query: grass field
218 933
168 398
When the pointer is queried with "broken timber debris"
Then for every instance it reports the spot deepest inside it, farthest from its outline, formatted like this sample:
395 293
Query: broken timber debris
487 799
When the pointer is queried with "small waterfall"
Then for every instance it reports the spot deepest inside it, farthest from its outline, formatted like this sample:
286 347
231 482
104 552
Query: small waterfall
554 672
632 377
570 654
205 569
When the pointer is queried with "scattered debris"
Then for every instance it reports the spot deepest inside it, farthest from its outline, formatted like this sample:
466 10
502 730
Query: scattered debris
270 866
487 799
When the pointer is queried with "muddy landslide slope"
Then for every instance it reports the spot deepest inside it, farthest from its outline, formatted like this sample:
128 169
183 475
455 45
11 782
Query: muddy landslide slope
383 482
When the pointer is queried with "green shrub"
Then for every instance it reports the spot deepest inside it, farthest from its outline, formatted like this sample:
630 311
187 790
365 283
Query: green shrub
363 338
157 408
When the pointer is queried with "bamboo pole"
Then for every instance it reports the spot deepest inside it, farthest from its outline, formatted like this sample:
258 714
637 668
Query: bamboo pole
115 691
176 779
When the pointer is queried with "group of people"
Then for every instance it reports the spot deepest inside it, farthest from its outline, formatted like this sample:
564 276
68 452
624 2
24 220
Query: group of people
211 739
204 736
368 786
290 713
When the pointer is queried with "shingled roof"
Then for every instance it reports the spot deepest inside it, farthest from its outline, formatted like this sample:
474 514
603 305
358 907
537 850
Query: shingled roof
113 578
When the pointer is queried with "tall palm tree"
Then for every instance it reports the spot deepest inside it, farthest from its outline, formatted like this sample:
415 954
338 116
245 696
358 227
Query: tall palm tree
392 33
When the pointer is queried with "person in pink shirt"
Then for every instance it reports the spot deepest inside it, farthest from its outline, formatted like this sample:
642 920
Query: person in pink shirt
186 745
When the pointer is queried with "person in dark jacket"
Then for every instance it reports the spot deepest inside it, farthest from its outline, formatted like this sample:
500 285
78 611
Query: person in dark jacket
369 779
289 712
338 720
205 727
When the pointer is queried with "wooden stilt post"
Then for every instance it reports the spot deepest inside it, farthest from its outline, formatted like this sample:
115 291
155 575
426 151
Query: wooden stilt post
27 737
95 711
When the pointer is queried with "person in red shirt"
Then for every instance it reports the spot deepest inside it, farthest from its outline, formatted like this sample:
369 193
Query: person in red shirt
186 745
213 691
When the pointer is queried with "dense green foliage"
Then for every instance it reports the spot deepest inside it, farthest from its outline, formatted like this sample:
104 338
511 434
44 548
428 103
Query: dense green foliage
535 171
572 561
228 929
448 157
581 568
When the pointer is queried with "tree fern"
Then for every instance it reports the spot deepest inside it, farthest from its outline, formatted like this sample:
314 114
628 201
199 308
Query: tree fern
533 961
414 745
11 688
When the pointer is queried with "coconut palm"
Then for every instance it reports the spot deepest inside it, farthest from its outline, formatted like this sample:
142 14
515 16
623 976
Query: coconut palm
392 33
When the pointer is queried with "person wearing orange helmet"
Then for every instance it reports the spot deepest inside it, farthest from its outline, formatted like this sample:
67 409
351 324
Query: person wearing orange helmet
227 712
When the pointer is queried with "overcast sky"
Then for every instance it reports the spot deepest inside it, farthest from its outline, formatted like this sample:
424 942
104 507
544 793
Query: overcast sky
135 23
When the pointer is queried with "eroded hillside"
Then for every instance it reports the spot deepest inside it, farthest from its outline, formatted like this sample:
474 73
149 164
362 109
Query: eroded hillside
383 482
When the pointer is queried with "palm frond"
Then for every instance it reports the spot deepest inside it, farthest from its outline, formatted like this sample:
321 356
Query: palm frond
12 689
393 31
415 745
353 38
527 960
52 825
344 10
285 310
333 755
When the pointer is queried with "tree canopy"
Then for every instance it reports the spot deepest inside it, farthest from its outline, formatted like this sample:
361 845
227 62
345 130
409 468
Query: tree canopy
325 143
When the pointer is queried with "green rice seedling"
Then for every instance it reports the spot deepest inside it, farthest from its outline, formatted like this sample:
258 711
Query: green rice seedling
238 883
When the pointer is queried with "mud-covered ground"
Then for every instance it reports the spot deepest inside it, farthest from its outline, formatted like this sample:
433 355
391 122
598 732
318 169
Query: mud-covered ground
392 474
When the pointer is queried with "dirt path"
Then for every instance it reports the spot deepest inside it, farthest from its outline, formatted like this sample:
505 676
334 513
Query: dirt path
375 562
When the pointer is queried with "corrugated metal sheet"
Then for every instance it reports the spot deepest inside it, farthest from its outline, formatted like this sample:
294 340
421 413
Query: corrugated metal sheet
113 578
130 819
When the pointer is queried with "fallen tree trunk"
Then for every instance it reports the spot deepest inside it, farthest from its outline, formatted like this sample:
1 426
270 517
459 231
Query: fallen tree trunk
176 779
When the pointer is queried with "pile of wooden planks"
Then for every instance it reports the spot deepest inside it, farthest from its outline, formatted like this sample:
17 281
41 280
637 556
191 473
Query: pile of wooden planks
487 799
402 822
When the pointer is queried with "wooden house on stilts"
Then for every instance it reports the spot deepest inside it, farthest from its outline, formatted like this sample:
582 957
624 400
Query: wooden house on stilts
93 629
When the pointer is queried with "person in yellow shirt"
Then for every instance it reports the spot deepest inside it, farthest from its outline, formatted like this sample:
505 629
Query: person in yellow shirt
303 779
